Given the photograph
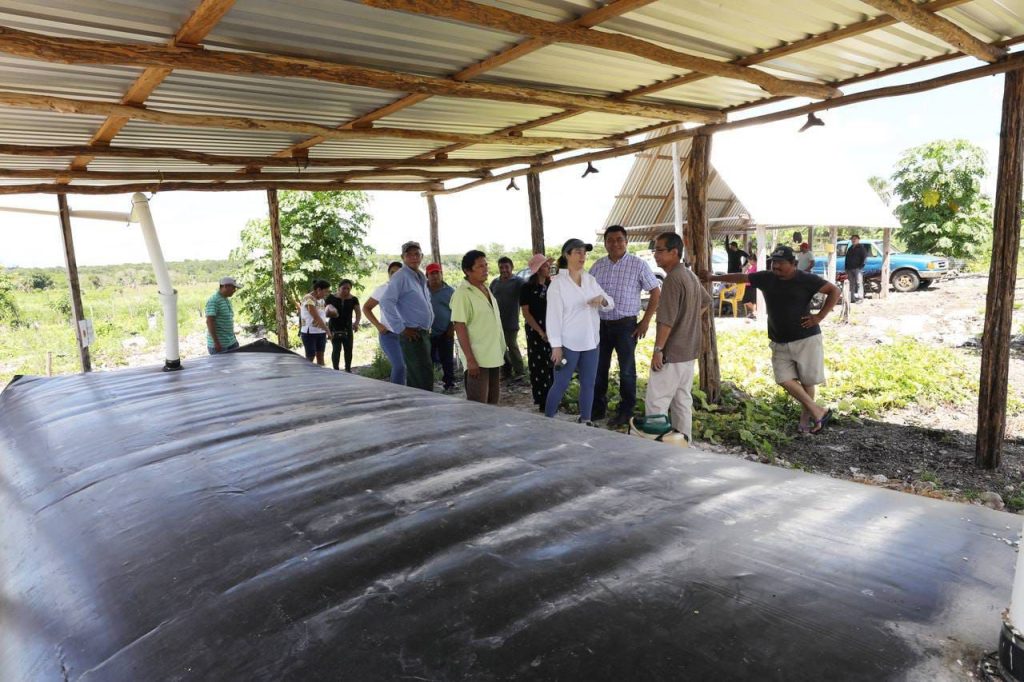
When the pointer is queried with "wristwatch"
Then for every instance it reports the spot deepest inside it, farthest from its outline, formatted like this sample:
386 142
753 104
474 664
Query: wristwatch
658 349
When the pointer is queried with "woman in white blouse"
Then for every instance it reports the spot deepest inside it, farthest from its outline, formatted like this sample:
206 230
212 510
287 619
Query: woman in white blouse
573 327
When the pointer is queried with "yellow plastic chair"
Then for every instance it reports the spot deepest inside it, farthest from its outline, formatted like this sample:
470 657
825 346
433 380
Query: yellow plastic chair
733 295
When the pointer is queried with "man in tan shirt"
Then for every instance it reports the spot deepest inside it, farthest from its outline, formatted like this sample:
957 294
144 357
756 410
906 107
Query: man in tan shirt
678 340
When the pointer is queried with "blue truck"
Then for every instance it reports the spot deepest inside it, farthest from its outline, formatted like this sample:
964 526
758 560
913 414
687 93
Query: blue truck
908 271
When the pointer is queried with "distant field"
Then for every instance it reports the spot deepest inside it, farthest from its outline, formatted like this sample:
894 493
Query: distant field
122 301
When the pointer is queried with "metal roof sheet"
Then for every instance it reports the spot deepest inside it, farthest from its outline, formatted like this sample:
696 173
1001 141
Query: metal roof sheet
349 32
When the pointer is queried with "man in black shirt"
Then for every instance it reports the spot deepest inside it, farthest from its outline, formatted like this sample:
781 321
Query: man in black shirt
798 358
856 256
737 257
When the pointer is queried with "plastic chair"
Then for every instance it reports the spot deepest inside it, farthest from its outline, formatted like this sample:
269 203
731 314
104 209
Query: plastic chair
733 295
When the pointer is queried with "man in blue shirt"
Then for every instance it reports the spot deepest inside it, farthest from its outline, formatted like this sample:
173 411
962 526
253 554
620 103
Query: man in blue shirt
407 304
442 332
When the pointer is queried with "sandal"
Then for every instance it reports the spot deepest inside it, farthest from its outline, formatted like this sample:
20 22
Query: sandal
820 424
803 428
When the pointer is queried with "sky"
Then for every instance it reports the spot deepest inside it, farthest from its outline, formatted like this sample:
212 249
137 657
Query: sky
862 140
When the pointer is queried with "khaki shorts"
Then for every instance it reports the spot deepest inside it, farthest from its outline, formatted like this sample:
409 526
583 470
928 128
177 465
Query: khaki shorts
803 360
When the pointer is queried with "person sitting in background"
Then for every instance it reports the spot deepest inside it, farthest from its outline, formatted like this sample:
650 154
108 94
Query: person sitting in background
442 331
506 288
574 328
220 318
478 327
313 315
533 300
341 324
804 258
387 336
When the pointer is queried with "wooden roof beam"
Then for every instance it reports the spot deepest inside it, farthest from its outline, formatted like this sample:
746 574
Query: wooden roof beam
195 28
512 22
233 160
78 51
227 176
612 9
241 185
77 106
910 13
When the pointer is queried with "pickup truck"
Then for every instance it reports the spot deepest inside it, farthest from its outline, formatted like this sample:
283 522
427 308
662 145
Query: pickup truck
908 271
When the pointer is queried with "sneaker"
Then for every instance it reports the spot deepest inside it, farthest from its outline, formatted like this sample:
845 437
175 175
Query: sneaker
618 421
751 316
585 423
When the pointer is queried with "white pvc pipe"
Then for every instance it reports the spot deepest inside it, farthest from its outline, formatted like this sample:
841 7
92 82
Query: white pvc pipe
1017 596
168 296
86 215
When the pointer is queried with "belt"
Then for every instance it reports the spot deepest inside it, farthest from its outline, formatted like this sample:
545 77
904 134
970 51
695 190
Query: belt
620 320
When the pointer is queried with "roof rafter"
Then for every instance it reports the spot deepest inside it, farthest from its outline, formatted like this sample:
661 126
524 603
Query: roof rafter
79 51
226 176
77 106
195 28
612 9
504 20
910 13
242 184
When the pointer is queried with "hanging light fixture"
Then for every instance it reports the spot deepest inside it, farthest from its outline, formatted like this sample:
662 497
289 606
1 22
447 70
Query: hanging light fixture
590 169
812 121
512 185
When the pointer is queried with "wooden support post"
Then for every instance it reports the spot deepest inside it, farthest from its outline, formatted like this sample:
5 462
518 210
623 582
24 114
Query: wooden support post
76 290
435 239
1002 278
886 248
830 270
275 255
677 197
536 212
700 240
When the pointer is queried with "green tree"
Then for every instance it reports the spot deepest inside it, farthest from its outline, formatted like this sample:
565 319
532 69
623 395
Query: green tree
322 237
942 208
882 188
9 312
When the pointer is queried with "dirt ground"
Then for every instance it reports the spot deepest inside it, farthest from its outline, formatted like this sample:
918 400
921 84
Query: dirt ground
927 452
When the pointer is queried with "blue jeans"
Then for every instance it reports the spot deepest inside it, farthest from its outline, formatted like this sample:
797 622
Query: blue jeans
617 336
586 363
442 350
223 349
392 348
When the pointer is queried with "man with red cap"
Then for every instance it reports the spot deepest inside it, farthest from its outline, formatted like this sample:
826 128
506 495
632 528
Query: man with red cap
442 331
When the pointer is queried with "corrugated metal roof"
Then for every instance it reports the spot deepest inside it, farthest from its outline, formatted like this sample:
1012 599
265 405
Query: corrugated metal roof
348 32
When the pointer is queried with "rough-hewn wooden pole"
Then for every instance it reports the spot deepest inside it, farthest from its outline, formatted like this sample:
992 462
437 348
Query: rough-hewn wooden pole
830 268
536 212
886 247
697 229
1002 278
275 256
76 290
435 238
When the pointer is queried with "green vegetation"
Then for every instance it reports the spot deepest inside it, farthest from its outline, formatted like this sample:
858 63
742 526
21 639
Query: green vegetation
322 237
942 209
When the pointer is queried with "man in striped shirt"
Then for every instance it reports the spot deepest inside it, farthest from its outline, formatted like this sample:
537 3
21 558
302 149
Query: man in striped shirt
623 276
220 318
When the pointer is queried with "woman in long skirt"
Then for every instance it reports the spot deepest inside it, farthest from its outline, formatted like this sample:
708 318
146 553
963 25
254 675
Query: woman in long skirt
533 299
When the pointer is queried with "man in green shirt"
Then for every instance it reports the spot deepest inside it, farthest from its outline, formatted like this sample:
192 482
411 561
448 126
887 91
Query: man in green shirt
478 327
220 318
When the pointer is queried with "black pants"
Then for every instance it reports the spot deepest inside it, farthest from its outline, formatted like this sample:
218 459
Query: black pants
341 340
538 354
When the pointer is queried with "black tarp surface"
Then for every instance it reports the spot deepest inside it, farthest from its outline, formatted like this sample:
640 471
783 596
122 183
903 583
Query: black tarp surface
257 518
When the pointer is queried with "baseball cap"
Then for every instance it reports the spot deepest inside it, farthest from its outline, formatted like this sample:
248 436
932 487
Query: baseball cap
224 281
575 244
537 260
782 252
410 245
433 267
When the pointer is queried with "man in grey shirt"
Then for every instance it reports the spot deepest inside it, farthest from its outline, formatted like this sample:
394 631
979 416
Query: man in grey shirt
505 288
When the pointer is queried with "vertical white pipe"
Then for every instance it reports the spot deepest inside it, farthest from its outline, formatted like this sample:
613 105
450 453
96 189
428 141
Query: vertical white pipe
762 263
677 189
168 295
